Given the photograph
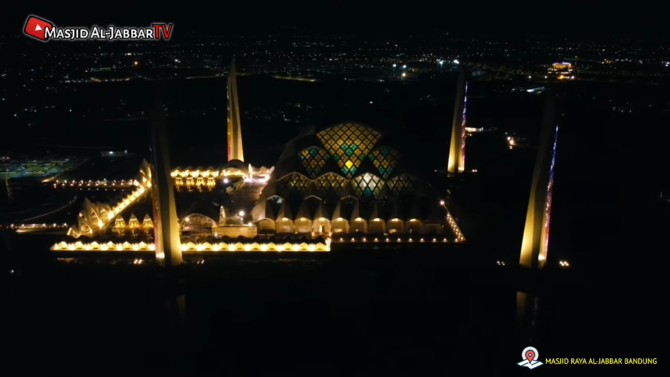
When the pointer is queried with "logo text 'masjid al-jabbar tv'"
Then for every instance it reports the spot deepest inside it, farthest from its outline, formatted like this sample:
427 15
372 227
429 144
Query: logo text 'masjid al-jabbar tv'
44 31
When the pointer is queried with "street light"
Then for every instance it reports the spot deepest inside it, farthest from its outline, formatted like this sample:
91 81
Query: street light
241 213
456 61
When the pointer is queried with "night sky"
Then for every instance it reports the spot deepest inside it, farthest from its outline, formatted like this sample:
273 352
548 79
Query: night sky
499 17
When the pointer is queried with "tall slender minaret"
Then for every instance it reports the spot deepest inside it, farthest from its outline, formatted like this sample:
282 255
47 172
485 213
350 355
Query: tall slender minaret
457 147
536 233
235 150
166 226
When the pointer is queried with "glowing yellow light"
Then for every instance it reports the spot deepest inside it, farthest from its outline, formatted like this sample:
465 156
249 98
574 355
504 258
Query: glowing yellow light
349 164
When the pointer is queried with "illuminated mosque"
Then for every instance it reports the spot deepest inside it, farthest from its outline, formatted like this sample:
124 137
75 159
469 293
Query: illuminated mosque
344 183
341 183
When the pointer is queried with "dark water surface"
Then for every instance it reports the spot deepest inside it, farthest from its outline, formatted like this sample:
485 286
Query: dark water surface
328 316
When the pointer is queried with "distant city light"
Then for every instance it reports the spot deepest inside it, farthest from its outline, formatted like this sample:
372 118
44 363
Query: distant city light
404 74
241 213
394 65
564 263
441 62
441 202
404 66
456 61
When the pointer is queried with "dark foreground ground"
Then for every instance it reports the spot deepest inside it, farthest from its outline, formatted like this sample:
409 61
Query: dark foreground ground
324 315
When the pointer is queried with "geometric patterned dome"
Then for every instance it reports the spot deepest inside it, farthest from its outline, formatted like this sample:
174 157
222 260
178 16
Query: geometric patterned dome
348 159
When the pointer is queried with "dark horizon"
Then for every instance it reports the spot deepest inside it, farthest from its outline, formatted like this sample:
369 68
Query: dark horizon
348 16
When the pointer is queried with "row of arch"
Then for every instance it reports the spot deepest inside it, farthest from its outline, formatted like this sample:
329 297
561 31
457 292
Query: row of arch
365 185
193 247
325 227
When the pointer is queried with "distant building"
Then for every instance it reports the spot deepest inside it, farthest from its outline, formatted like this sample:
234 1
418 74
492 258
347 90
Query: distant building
562 71
112 154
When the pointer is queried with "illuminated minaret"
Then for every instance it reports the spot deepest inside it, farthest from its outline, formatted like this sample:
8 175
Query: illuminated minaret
536 233
166 226
235 150
457 147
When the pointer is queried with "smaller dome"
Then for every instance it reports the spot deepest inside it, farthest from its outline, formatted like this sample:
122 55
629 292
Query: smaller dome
235 164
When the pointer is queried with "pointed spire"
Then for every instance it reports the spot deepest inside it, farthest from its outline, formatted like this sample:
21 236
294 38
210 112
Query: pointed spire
337 212
133 222
321 211
269 213
235 150
415 212
304 210
222 215
457 147
147 223
536 232
284 211
166 228
375 211
356 213
395 210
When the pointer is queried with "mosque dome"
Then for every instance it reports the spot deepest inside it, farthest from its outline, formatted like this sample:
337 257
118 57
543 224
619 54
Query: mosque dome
348 170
